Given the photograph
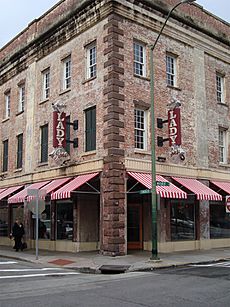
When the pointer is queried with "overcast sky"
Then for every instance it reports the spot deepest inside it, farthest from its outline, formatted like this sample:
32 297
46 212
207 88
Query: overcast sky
16 14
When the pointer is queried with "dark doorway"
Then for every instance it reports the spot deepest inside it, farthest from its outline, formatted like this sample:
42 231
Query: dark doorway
134 226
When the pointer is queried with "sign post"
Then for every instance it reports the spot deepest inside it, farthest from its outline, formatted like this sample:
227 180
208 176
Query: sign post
36 205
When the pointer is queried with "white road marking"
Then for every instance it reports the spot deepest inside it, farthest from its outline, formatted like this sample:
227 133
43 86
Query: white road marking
218 264
38 275
8 262
31 269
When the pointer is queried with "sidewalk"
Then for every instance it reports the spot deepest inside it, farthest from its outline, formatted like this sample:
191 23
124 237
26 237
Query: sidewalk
91 262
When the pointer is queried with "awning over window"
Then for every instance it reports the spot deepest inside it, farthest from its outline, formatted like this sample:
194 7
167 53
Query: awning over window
55 184
20 196
9 191
170 191
225 186
201 191
65 191
2 190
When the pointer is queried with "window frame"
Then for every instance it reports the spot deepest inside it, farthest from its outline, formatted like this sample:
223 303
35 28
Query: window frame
46 84
90 128
19 151
5 155
91 61
44 143
7 104
21 101
219 88
67 73
222 143
141 69
171 70
142 131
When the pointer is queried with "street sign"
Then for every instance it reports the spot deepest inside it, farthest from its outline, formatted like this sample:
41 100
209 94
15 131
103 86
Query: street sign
145 191
32 205
163 183
227 204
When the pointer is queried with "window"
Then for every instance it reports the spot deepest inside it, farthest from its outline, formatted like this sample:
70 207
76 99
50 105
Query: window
19 150
67 73
5 156
139 59
46 84
90 129
64 221
44 143
7 105
140 129
219 222
170 70
222 145
91 61
21 102
220 88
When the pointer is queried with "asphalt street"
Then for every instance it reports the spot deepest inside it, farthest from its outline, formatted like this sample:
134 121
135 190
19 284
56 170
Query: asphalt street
27 284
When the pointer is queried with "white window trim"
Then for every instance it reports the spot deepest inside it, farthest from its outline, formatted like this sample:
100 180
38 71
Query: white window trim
7 105
221 90
91 68
139 129
174 75
46 84
21 103
67 72
223 145
143 64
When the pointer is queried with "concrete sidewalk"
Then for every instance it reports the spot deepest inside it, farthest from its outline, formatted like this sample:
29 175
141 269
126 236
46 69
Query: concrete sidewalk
91 262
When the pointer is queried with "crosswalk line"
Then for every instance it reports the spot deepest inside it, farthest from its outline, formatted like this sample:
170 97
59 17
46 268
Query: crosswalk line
8 262
38 275
31 269
219 264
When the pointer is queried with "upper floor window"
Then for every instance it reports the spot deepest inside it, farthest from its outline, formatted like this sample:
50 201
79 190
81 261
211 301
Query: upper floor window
139 51
140 128
90 129
91 61
171 70
5 156
222 145
220 88
46 84
44 143
21 102
19 150
67 73
7 105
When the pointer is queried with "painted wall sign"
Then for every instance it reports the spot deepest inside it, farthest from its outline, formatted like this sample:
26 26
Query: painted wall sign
174 127
59 129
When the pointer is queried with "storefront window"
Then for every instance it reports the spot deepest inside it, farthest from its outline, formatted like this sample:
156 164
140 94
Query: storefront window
182 222
65 221
3 221
17 213
44 224
219 222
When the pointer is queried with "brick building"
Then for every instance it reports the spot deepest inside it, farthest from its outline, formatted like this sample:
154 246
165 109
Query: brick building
91 59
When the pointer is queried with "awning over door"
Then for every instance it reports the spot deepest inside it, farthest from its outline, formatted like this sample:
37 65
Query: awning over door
9 191
201 191
170 191
20 196
225 186
65 191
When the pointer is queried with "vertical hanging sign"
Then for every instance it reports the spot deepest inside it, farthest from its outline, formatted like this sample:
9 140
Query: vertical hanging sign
59 129
174 127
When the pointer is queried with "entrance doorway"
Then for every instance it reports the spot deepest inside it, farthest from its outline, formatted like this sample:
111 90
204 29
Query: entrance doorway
134 226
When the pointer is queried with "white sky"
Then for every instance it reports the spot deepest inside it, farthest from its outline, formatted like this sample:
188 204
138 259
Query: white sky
15 15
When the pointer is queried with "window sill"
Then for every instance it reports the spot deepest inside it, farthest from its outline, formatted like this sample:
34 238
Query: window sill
174 87
224 104
17 170
88 153
19 113
224 164
40 164
141 77
44 101
89 79
142 151
65 91
5 120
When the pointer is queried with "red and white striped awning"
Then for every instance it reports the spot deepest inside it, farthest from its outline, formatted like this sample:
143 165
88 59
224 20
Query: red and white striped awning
65 191
2 190
225 186
201 191
55 184
170 191
20 196
9 191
